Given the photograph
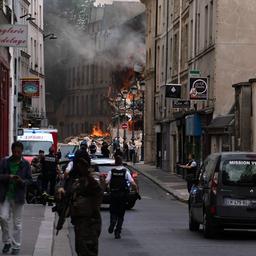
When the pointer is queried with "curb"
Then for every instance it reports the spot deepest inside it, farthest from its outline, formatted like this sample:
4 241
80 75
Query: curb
44 243
173 192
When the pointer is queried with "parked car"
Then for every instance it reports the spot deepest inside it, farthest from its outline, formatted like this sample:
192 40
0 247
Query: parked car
225 194
102 166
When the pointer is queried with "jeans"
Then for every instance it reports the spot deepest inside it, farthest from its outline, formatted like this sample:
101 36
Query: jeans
7 208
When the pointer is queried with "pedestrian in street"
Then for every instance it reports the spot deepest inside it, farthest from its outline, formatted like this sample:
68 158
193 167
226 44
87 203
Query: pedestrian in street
93 148
104 149
132 149
191 167
118 152
15 175
86 197
36 164
118 179
49 172
126 151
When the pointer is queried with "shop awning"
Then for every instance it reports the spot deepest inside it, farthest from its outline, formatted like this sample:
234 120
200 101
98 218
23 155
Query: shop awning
221 123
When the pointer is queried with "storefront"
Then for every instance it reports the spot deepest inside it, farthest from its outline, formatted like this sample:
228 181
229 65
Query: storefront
4 108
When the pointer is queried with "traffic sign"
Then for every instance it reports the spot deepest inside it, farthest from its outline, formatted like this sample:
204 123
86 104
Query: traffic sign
173 91
181 104
194 73
124 126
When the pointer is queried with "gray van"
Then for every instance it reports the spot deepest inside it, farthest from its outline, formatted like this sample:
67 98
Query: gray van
224 195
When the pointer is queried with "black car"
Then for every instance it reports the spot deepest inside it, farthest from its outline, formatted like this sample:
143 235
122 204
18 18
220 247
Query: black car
225 194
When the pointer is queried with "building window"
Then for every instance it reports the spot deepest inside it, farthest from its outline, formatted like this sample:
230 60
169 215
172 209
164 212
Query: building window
206 24
211 23
198 32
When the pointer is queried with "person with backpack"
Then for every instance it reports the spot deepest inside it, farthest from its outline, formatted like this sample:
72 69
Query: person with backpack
118 179
191 166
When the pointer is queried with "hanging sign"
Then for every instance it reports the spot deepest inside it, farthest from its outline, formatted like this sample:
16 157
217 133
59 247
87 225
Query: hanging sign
30 87
198 88
13 35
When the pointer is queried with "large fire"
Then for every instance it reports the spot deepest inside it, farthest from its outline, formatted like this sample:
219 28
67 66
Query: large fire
97 132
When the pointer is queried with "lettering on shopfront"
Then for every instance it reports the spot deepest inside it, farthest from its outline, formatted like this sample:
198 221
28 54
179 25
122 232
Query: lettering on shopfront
13 35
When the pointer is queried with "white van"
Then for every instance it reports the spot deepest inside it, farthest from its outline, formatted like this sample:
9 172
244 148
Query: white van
33 141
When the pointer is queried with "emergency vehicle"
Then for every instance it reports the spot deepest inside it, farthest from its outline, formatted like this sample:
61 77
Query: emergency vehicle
36 139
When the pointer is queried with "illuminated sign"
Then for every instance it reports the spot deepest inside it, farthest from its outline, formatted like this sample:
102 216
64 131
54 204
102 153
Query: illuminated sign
30 87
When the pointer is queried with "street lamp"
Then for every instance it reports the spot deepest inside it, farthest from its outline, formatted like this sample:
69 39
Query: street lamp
118 101
134 90
30 18
142 88
51 36
124 95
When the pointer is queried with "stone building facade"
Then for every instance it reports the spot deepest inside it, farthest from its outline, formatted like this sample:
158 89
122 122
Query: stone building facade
214 38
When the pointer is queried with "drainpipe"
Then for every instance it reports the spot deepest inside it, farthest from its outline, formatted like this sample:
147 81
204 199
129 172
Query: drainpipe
167 42
180 48
156 32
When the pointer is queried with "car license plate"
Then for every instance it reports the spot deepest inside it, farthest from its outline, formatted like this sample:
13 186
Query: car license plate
237 202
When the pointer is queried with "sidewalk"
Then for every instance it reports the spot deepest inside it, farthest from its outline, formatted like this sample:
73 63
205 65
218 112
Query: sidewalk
169 182
37 231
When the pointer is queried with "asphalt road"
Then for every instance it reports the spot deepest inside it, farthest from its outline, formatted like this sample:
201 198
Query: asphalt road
158 227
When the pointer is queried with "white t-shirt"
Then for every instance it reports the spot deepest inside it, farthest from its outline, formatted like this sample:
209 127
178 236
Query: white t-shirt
127 175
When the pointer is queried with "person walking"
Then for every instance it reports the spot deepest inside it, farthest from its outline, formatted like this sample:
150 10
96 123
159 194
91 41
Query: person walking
132 149
126 151
86 196
104 149
191 166
49 172
15 175
118 179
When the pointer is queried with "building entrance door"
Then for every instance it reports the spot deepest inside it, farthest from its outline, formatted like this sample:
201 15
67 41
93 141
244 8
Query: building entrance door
4 110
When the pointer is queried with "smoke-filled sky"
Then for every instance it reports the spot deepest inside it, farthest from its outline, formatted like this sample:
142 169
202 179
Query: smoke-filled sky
110 1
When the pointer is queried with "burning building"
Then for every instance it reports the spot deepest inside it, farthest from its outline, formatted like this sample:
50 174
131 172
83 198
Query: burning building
99 66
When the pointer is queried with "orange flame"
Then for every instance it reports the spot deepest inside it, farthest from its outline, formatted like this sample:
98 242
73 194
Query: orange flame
97 132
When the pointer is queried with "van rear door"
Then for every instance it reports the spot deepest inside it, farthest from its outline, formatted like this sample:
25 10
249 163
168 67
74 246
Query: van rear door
237 188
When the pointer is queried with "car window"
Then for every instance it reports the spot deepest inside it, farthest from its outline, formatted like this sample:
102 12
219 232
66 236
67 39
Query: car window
239 172
207 169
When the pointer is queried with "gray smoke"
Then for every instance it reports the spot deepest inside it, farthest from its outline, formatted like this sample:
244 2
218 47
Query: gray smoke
117 44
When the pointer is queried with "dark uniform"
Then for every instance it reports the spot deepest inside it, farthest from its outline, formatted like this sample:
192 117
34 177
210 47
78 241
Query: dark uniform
85 214
118 197
49 172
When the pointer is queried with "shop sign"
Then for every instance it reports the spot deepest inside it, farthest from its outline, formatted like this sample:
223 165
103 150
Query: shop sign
173 91
198 88
13 35
181 104
30 87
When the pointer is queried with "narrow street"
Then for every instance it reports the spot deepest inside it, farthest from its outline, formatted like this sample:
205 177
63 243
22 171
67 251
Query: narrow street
158 226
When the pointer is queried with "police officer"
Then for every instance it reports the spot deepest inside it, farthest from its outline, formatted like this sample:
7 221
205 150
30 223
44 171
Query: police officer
118 179
49 171
191 166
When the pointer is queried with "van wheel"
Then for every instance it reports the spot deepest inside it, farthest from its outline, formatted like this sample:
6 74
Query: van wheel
209 230
193 225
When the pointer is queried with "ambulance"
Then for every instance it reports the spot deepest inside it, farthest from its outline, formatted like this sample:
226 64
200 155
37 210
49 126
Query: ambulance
37 139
